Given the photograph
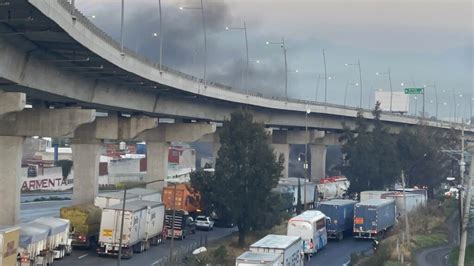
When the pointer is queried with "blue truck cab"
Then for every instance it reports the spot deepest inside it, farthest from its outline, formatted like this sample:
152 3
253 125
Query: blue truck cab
373 217
341 216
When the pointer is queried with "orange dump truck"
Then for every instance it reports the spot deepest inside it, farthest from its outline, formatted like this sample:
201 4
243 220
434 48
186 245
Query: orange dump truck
186 198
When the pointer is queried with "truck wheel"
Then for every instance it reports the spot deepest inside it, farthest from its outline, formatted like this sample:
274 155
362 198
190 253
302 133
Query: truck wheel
340 236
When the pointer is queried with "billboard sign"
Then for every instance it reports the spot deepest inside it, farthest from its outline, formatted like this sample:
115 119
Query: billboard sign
400 101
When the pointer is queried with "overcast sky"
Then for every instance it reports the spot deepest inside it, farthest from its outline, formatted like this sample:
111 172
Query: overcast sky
422 42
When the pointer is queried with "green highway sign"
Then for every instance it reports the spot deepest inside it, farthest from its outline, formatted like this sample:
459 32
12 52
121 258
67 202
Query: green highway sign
414 90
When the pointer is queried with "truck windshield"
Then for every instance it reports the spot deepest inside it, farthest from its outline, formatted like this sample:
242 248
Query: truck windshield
300 228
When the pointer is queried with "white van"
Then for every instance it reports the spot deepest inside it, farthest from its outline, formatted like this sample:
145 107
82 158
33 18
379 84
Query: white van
311 227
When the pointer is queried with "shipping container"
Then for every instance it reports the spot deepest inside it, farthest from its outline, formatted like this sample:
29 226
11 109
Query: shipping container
84 224
249 258
289 247
9 239
373 194
372 218
145 194
58 238
143 226
311 227
308 197
104 200
33 245
341 216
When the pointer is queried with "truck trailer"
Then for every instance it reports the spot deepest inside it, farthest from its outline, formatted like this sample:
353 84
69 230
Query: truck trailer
249 258
9 238
143 226
290 248
104 200
58 237
341 215
84 224
145 194
373 217
33 245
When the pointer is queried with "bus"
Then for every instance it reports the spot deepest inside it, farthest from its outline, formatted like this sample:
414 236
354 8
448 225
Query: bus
311 227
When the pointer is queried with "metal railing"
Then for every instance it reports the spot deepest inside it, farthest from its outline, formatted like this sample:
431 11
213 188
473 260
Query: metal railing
81 18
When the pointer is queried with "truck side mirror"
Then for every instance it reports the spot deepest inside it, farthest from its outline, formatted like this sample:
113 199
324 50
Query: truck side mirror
328 220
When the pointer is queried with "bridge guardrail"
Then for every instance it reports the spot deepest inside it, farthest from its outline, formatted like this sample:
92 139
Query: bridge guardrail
81 18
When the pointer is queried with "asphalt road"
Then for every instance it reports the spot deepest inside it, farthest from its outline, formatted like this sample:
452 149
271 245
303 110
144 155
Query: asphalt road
337 253
32 210
149 257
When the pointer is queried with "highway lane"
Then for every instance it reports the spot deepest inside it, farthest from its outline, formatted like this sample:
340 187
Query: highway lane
337 253
89 257
32 210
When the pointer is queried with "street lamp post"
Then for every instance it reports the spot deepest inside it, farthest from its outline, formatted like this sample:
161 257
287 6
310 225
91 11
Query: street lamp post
305 166
161 36
360 81
390 82
205 36
325 78
244 28
122 14
283 46
347 86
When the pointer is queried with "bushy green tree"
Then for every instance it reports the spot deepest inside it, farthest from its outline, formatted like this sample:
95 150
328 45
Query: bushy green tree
246 170
371 158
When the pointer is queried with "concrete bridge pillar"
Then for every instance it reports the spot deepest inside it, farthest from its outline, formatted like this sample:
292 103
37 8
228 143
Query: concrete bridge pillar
17 123
157 163
10 179
86 149
86 158
158 140
318 161
285 150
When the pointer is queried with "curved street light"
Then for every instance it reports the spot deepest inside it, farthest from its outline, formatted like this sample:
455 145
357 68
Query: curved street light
283 46
360 81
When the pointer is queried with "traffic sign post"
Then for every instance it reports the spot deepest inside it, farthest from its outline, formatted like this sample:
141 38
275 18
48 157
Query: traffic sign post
417 91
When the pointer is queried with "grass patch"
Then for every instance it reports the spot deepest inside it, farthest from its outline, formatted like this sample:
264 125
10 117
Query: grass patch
432 240
468 261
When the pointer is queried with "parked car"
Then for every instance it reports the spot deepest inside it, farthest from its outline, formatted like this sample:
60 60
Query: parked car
204 222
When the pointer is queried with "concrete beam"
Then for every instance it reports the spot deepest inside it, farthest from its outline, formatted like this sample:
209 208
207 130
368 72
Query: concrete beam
177 132
114 127
296 136
318 161
10 171
44 122
12 102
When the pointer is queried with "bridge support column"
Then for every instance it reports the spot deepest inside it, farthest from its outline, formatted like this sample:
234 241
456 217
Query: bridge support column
158 140
157 163
285 150
10 179
86 172
318 161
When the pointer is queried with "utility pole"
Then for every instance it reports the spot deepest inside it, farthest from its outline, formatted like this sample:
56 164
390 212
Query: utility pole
462 247
462 169
172 223
325 79
407 224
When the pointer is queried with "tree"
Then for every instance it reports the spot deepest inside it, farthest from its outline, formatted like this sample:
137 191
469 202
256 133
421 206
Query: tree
422 157
246 170
371 158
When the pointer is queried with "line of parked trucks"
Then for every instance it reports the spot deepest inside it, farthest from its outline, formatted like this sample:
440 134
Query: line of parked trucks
308 232
148 221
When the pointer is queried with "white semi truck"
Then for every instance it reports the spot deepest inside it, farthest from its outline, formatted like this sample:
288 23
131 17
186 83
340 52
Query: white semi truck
290 248
143 226
58 241
9 238
33 247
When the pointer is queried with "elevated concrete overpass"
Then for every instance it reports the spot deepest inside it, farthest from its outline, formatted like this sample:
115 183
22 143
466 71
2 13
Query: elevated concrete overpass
53 57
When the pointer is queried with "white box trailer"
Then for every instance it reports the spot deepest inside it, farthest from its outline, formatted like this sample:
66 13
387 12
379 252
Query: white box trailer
143 226
33 247
59 241
9 238
146 194
413 201
289 247
112 198
373 194
309 197
249 258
